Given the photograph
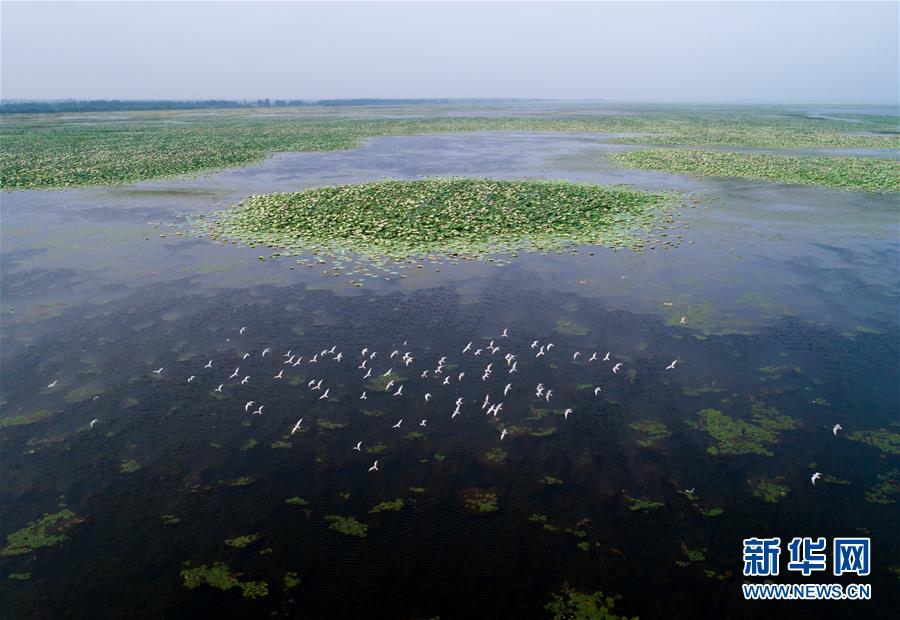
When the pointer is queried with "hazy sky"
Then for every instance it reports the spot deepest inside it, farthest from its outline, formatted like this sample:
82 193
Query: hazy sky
833 52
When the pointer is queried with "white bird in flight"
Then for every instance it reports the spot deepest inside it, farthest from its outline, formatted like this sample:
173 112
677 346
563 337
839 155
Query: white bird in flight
399 391
575 357
246 355
507 389
235 373
503 434
208 364
423 422
814 477
374 466
191 379
427 397
242 330
616 367
245 379
364 397
249 404
593 358
358 447
504 334
397 425
280 374
296 426
672 365
325 395
468 346
219 389
597 391
606 358
158 371
566 414
266 350
94 421
836 428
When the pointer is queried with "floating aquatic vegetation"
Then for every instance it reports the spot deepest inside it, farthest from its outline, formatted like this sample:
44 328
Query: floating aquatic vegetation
715 511
79 395
240 542
571 328
735 436
291 580
886 489
574 605
417 489
249 445
537 413
243 481
49 530
439 457
220 576
170 520
550 481
537 518
329 425
636 504
129 466
380 383
390 506
542 432
347 525
465 218
413 435
281 445
651 432
706 389
19 576
296 501
850 173
53 152
496 455
378 448
883 439
25 419
768 490
693 555
480 500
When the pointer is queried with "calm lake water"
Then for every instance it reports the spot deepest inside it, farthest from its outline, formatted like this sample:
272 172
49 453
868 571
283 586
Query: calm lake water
790 298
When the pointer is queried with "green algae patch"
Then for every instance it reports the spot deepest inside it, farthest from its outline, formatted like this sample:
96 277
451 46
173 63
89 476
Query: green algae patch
19 576
480 500
550 481
769 490
48 531
650 432
736 436
574 605
129 466
25 419
390 506
347 526
296 501
883 439
867 174
468 217
219 576
170 520
249 445
239 542
378 448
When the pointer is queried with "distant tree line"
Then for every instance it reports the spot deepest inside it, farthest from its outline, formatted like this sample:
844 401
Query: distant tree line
116 105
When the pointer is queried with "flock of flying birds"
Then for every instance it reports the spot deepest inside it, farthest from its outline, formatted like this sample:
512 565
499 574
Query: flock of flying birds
441 376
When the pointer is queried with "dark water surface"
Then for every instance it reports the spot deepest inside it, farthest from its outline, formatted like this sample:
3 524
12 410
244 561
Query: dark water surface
790 297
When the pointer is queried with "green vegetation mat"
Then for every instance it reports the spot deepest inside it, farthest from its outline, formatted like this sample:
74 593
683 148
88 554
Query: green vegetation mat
469 217
849 173
57 151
